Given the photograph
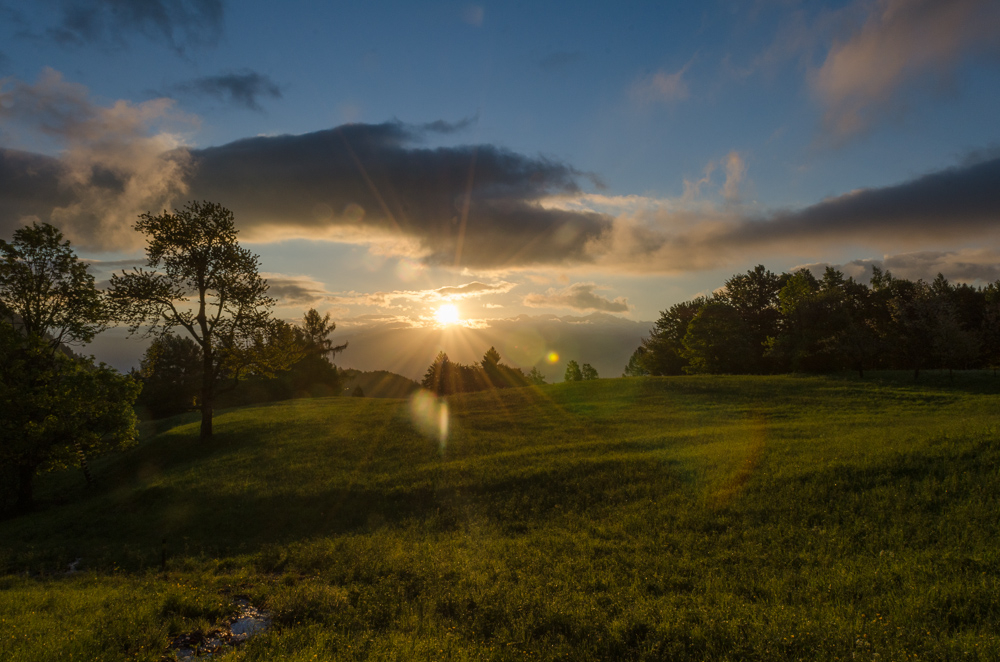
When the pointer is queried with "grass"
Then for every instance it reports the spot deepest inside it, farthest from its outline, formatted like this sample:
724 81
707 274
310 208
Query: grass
696 518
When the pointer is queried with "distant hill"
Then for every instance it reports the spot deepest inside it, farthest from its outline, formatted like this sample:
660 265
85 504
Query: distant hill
377 383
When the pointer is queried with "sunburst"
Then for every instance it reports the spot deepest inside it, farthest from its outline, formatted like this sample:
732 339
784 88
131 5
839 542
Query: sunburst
447 315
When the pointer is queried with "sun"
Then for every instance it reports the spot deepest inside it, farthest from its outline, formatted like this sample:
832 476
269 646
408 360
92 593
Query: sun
447 315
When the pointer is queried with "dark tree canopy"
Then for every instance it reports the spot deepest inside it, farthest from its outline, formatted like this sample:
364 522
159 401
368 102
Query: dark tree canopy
58 408
199 278
761 322
445 377
45 290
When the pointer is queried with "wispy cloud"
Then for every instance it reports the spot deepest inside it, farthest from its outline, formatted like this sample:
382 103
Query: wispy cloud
578 296
179 23
243 88
661 87
901 44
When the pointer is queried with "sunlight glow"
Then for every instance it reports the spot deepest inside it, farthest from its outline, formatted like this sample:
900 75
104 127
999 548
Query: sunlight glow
447 315
553 358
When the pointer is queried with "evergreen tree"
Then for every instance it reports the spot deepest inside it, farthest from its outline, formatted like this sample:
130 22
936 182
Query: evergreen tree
573 373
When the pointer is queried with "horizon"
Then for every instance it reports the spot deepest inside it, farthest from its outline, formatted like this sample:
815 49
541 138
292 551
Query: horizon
457 165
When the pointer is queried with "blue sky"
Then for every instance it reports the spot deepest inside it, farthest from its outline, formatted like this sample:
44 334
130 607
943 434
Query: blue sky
621 158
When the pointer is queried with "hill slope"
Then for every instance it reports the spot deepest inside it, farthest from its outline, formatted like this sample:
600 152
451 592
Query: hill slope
689 518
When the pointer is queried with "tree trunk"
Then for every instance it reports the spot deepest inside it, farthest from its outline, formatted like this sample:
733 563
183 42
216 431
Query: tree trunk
207 395
83 463
25 487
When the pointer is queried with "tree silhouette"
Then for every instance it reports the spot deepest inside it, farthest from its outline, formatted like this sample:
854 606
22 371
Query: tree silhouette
57 408
200 279
587 372
573 373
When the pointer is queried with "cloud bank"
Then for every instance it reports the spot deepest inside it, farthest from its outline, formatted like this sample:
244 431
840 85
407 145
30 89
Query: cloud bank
114 162
948 206
455 206
480 207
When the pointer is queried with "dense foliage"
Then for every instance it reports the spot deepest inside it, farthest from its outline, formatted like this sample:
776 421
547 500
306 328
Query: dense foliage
172 371
57 408
200 279
445 377
761 322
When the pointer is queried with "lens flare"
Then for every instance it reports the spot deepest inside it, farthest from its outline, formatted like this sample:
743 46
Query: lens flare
430 416
553 357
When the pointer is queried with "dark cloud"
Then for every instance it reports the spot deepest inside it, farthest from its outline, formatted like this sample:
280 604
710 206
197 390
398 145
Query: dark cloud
579 296
291 290
970 265
242 88
29 187
179 23
945 204
470 205
559 59
950 206
446 128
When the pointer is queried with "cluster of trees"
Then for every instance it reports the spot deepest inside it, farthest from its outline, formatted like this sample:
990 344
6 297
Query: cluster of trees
59 408
761 322
577 373
445 377
172 371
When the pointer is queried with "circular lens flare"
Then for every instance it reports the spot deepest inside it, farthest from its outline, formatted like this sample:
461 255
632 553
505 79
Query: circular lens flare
553 357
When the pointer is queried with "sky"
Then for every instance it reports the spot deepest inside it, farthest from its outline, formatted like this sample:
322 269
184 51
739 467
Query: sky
559 172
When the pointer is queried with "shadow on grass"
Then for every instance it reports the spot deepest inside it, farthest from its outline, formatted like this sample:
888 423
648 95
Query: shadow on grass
124 527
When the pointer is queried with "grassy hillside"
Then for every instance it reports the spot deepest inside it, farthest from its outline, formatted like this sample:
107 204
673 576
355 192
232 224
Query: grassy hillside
377 383
718 518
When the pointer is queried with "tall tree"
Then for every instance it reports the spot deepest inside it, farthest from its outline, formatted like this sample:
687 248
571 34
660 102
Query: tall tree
440 376
573 373
754 295
718 341
46 291
200 279
588 372
535 377
57 407
663 350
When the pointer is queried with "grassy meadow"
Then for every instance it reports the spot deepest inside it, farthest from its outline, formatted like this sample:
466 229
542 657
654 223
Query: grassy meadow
694 518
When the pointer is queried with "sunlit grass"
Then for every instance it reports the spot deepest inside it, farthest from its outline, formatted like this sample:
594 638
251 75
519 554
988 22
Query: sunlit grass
695 518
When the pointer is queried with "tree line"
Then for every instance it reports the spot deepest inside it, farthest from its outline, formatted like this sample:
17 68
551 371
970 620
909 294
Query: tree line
60 408
760 322
445 377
